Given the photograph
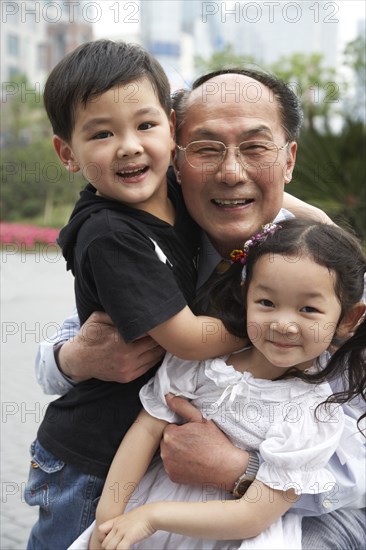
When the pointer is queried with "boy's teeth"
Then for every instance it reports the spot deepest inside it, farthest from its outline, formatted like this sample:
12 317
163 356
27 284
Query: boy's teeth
130 172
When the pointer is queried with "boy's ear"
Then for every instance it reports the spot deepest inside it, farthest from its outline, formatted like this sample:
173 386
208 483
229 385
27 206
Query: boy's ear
65 154
172 127
350 320
175 165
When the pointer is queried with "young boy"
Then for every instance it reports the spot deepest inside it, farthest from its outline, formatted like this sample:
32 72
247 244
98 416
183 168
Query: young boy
131 246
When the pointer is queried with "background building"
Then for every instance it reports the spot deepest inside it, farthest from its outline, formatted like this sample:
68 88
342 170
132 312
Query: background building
36 35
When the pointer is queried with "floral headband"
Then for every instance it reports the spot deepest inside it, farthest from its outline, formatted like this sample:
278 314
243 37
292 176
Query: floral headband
241 256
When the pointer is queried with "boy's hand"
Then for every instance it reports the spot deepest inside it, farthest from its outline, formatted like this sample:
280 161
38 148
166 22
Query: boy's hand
96 540
98 351
198 452
123 531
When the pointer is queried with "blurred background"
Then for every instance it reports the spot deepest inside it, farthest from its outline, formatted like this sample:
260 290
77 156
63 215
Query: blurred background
318 47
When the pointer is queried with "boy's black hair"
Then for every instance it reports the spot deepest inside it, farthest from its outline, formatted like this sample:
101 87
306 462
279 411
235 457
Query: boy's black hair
289 105
94 68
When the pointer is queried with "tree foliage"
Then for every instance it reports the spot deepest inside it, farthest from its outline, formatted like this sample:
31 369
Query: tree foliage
330 173
223 59
33 182
319 88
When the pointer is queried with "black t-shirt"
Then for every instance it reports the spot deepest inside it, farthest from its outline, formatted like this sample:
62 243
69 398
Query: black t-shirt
140 270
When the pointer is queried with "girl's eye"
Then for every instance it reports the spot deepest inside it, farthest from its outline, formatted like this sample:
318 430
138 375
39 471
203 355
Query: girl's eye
266 303
103 135
146 125
309 309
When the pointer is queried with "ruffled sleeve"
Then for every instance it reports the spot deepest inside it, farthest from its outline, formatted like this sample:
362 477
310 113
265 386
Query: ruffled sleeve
175 376
296 451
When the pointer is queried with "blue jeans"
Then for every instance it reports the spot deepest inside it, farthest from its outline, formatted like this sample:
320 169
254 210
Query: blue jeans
67 500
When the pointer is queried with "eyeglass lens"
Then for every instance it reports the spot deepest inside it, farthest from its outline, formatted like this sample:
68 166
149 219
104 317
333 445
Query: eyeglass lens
249 152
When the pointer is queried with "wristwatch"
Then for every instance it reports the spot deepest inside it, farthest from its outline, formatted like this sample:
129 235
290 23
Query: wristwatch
241 485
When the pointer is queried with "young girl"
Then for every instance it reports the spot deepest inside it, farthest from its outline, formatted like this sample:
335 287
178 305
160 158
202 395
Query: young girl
293 290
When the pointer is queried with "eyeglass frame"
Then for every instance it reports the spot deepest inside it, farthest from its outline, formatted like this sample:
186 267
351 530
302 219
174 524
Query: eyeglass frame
226 147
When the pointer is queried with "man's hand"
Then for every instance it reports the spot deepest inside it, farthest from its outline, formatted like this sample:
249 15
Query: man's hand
198 452
98 351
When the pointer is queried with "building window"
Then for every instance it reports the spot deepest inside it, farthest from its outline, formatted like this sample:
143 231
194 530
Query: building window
13 45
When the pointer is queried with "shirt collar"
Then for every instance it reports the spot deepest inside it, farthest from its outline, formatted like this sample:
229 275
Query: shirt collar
209 257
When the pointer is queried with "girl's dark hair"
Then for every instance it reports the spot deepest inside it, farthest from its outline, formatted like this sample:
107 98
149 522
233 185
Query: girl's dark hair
329 246
289 105
348 364
94 68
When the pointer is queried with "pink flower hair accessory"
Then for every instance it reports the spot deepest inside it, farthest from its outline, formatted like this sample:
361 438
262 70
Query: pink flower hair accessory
241 255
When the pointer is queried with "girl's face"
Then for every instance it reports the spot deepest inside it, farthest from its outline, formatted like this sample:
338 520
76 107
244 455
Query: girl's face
292 310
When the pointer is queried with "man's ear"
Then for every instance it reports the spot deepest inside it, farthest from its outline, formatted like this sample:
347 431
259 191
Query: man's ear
349 322
65 154
290 162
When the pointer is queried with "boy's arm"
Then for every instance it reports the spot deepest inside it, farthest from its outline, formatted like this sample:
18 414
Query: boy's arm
302 209
215 520
190 337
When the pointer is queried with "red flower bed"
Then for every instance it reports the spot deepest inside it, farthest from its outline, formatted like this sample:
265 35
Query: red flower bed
26 235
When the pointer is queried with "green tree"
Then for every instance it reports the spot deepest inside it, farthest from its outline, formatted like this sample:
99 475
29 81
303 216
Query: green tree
319 88
355 58
331 173
224 59
33 182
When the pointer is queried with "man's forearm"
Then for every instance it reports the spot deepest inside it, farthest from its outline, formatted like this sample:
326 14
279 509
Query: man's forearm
51 378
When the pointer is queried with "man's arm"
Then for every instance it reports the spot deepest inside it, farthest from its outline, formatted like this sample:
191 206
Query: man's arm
49 376
199 453
302 209
95 351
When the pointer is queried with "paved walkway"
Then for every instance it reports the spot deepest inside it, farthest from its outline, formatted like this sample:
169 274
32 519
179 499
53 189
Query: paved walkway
36 295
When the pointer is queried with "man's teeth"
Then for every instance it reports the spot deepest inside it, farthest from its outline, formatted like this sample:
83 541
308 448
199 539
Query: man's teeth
231 202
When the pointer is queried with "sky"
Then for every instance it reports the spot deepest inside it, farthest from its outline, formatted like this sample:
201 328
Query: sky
124 15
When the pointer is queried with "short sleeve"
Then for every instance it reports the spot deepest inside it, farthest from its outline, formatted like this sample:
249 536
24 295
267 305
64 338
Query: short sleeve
133 285
296 451
175 376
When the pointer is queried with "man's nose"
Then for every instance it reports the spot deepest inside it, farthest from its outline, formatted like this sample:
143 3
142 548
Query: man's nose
231 171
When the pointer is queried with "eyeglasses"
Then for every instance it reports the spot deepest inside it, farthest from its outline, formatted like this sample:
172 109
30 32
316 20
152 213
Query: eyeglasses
249 153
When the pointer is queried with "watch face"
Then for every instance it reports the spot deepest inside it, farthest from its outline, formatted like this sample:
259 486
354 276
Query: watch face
242 487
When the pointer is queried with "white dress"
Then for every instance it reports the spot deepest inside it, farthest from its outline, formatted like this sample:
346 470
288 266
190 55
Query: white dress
275 417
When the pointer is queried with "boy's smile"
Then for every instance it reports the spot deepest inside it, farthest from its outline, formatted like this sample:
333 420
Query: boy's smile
122 142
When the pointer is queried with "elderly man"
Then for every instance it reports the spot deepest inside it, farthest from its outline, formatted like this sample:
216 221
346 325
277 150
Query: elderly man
230 199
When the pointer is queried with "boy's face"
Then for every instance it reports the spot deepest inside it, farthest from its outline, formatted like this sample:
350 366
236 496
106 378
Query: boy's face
122 142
